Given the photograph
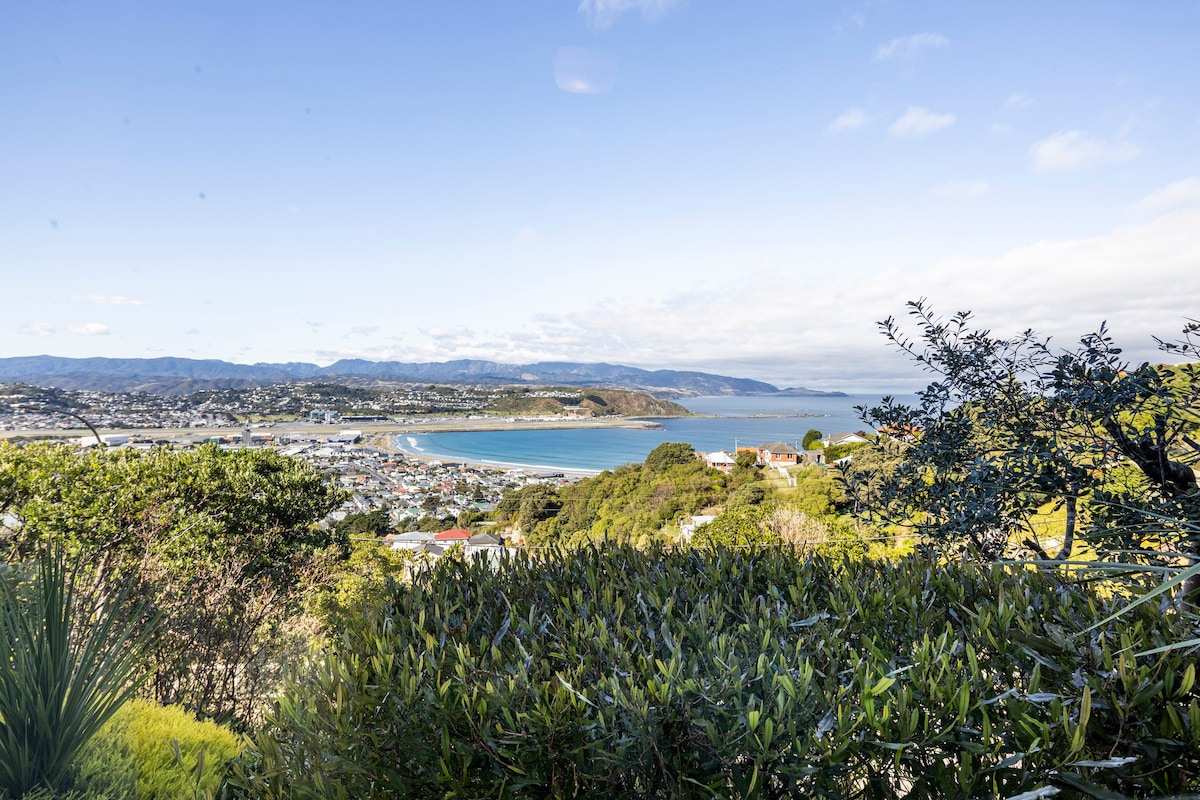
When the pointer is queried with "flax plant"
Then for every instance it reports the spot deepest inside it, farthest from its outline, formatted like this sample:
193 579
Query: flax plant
63 673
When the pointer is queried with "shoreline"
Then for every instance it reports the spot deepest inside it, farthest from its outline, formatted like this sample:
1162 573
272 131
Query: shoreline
386 442
415 426
381 435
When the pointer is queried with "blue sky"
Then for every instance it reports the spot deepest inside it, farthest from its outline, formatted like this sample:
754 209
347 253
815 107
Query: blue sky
743 188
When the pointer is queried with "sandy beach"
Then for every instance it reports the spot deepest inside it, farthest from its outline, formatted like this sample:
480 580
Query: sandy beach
373 430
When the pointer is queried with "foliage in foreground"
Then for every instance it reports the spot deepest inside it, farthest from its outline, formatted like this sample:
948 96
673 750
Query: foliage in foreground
172 754
65 668
716 673
221 543
1011 426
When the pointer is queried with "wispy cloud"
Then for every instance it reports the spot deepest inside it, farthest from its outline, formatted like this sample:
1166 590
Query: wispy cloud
457 334
82 329
1179 194
1000 129
584 70
38 329
361 330
917 122
959 190
1067 151
603 13
1018 100
849 120
89 329
909 47
112 300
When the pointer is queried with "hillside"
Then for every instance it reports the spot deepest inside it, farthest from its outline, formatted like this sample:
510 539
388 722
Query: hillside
185 375
597 402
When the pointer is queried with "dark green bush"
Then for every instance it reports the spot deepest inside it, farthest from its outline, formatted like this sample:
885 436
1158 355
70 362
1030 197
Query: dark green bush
617 673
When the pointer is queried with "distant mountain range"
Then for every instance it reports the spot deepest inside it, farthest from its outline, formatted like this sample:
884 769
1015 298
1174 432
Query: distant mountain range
185 375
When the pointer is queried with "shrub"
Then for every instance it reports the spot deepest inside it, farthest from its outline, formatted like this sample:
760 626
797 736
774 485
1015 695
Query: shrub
175 755
66 666
694 673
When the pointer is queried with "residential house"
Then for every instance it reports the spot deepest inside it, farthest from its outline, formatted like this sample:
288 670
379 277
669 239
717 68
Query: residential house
815 457
778 453
687 529
413 540
843 437
721 460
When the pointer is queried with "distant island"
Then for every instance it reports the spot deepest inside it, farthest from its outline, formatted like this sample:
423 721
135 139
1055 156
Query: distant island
175 376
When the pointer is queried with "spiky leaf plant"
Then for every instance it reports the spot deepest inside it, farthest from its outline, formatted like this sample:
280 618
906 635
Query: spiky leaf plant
66 666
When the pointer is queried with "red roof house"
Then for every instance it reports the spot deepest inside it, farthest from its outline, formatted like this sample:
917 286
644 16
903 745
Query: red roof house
453 535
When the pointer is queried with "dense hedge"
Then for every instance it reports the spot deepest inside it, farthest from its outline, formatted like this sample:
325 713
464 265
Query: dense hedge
618 673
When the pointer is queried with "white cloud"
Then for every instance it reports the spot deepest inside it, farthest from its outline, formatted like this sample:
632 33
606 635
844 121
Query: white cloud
38 329
1067 151
1018 100
361 330
959 190
1000 129
457 333
603 13
849 120
584 70
113 300
909 47
1140 278
917 122
89 329
1175 195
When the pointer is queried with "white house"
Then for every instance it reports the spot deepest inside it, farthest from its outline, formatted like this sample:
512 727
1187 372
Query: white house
720 460
843 437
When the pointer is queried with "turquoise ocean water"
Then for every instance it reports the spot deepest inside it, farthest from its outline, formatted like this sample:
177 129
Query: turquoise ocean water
593 450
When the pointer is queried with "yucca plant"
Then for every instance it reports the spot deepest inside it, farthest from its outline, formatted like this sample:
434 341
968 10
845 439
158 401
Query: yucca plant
65 669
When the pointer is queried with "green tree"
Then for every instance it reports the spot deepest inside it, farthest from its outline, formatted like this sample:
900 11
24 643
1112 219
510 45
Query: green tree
223 544
373 523
1012 428
739 526
362 583
750 494
539 501
746 459
669 454
811 438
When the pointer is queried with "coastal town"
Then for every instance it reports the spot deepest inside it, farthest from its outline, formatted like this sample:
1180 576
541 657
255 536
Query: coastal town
28 407
352 434
312 423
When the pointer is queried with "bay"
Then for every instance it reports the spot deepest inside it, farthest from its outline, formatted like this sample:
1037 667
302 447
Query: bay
746 421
